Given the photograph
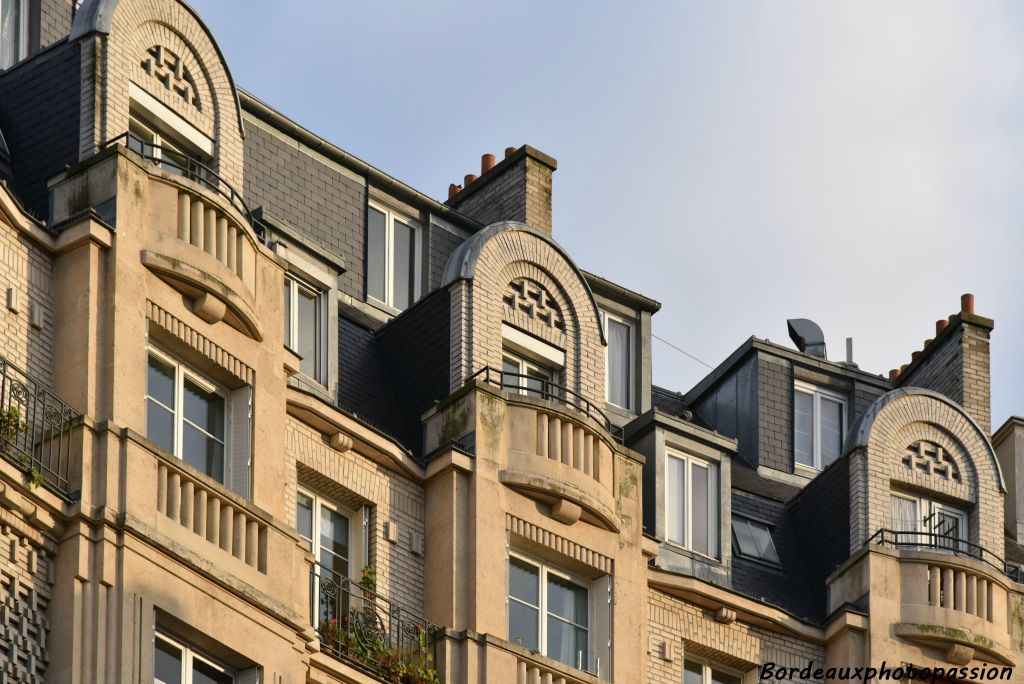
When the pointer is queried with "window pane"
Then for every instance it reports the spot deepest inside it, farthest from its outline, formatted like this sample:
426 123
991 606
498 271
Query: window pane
376 229
202 452
536 382
723 678
744 538
308 332
567 644
334 541
204 409
288 341
166 663
675 506
567 600
510 373
699 510
831 430
206 674
803 428
160 382
523 625
11 38
618 363
304 515
524 581
904 514
694 673
402 261
160 425
763 540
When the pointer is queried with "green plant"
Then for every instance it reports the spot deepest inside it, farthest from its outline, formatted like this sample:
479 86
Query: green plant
10 425
368 578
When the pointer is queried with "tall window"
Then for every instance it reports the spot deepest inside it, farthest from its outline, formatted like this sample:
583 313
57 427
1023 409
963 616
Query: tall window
391 258
620 355
525 376
176 663
186 415
936 523
691 503
304 329
170 153
548 612
818 425
699 672
337 540
13 32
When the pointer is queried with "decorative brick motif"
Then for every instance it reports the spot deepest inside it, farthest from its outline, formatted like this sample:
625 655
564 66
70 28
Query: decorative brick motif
170 70
559 544
24 596
931 459
532 299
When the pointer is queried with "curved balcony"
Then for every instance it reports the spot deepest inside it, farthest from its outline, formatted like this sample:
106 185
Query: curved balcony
953 593
207 250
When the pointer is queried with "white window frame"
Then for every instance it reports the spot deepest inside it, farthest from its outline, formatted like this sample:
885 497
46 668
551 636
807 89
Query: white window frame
181 372
714 501
707 666
544 570
295 283
525 366
22 13
926 508
188 656
358 537
817 393
390 217
631 360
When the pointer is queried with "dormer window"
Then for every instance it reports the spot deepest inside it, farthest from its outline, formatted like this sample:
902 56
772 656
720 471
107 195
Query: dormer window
691 503
621 335
530 365
392 258
13 32
926 522
818 426
164 137
304 326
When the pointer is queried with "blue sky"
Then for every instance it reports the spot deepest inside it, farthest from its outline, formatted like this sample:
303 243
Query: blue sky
859 164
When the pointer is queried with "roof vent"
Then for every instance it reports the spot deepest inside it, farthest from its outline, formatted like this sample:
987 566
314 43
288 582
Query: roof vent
807 336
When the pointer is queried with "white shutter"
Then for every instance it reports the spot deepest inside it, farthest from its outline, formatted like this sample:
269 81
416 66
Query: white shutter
240 458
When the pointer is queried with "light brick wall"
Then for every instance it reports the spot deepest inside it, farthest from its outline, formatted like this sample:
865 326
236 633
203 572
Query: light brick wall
137 26
28 271
479 310
901 419
693 630
352 480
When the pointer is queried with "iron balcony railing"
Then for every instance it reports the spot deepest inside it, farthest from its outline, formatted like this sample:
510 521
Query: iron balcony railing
35 431
541 388
948 544
358 625
176 162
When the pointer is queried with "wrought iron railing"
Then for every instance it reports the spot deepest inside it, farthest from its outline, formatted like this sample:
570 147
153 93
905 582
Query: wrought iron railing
35 430
175 161
541 388
356 624
945 543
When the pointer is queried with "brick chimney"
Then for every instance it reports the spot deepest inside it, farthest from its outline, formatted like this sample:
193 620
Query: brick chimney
518 188
956 363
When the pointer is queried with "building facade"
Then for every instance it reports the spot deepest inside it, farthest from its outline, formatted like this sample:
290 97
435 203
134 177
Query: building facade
269 414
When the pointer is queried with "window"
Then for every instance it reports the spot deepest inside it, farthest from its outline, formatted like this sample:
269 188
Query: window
691 504
176 663
304 328
392 256
186 415
698 672
338 540
526 377
754 540
170 153
818 418
619 360
13 32
936 524
548 612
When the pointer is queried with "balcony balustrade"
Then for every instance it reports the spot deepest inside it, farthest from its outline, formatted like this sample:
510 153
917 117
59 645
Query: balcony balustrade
361 627
36 431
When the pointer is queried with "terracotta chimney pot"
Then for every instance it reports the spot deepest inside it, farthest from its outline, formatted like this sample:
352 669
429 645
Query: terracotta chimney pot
469 178
509 151
940 326
967 304
486 163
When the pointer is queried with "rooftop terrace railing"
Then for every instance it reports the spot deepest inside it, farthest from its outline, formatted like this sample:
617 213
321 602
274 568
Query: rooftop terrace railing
903 539
541 388
177 162
358 625
35 430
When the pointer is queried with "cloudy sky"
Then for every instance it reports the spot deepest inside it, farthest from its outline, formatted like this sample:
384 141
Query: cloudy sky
859 164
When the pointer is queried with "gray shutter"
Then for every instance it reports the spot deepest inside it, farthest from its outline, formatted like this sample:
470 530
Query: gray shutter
249 676
240 459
